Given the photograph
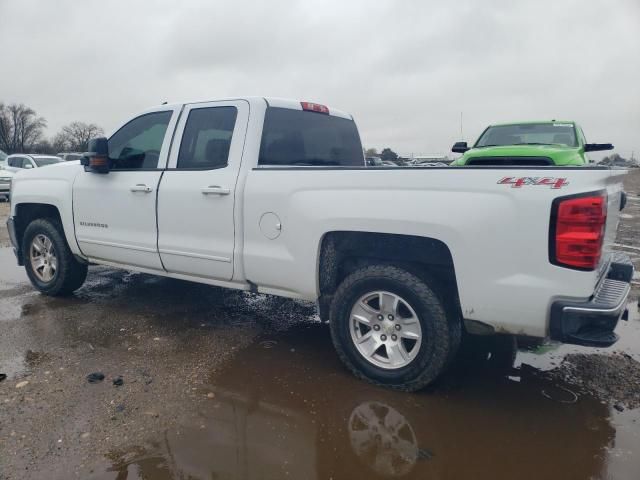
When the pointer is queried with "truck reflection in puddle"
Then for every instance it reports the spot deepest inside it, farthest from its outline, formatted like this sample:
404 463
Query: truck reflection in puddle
291 411
383 439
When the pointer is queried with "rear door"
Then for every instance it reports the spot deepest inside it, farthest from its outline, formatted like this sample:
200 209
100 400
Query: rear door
115 213
197 193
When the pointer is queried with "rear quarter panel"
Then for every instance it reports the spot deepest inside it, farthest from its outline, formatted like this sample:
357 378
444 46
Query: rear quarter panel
498 235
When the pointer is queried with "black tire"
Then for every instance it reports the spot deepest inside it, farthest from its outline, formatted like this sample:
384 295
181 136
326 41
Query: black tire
437 341
69 275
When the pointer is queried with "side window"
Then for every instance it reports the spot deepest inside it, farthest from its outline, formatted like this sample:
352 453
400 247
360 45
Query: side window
137 145
207 138
16 162
584 139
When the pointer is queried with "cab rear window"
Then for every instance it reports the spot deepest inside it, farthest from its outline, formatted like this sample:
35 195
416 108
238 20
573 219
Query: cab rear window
303 138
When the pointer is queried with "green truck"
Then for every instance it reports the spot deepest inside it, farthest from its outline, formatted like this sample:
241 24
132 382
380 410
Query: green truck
544 143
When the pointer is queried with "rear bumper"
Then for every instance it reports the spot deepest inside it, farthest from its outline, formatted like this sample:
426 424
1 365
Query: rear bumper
592 323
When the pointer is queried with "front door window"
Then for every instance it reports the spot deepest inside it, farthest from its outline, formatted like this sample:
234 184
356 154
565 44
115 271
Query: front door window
137 145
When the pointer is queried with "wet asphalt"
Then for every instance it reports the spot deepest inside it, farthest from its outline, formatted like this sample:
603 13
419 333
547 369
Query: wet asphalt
219 384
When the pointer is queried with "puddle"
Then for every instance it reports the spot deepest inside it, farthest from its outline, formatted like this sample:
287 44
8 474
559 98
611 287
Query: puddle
11 273
292 411
550 356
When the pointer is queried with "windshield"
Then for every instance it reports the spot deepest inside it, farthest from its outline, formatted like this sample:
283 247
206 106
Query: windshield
529 134
43 161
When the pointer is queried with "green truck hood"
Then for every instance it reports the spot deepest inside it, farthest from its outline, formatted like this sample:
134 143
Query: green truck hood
559 154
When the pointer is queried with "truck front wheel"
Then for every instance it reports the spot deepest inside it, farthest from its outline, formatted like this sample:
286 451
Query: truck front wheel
390 328
50 265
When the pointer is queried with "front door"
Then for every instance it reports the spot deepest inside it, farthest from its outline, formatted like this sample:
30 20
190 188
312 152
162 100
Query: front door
197 192
115 213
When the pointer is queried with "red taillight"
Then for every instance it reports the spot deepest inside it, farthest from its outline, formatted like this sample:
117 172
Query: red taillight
314 107
578 232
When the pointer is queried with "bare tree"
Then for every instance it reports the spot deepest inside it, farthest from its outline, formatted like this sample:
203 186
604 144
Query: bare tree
76 136
20 128
61 143
388 154
371 152
43 146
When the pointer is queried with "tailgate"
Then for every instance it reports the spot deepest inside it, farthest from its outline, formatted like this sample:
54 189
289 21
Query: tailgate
614 188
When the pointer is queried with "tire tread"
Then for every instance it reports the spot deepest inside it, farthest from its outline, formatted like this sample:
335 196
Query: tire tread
71 273
431 368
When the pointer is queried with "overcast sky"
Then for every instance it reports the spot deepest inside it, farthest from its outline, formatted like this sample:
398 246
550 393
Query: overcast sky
404 69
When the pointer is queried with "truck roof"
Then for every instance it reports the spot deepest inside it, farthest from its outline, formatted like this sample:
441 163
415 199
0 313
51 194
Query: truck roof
532 122
270 101
33 155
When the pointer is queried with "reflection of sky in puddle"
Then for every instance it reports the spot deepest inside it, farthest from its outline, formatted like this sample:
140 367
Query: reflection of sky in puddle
11 309
10 273
12 360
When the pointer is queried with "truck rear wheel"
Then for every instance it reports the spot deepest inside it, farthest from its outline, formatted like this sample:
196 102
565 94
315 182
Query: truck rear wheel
49 263
390 328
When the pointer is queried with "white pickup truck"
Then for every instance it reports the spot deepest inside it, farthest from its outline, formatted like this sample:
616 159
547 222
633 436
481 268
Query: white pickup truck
273 196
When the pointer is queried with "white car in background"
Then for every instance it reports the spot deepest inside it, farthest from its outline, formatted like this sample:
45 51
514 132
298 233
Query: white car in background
5 181
5 178
20 161
68 156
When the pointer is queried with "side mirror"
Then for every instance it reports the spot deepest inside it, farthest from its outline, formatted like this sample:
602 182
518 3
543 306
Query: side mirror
597 147
96 160
459 147
28 166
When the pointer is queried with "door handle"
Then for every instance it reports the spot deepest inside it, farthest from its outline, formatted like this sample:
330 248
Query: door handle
215 190
141 187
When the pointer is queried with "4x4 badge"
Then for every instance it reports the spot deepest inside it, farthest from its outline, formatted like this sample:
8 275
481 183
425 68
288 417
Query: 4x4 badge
517 182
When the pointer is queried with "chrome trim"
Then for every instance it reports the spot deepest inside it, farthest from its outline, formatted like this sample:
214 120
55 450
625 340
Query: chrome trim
195 255
117 245
215 190
611 291
141 187
603 270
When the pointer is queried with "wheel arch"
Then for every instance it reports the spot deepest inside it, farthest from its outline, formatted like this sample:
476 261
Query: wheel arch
342 252
25 213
